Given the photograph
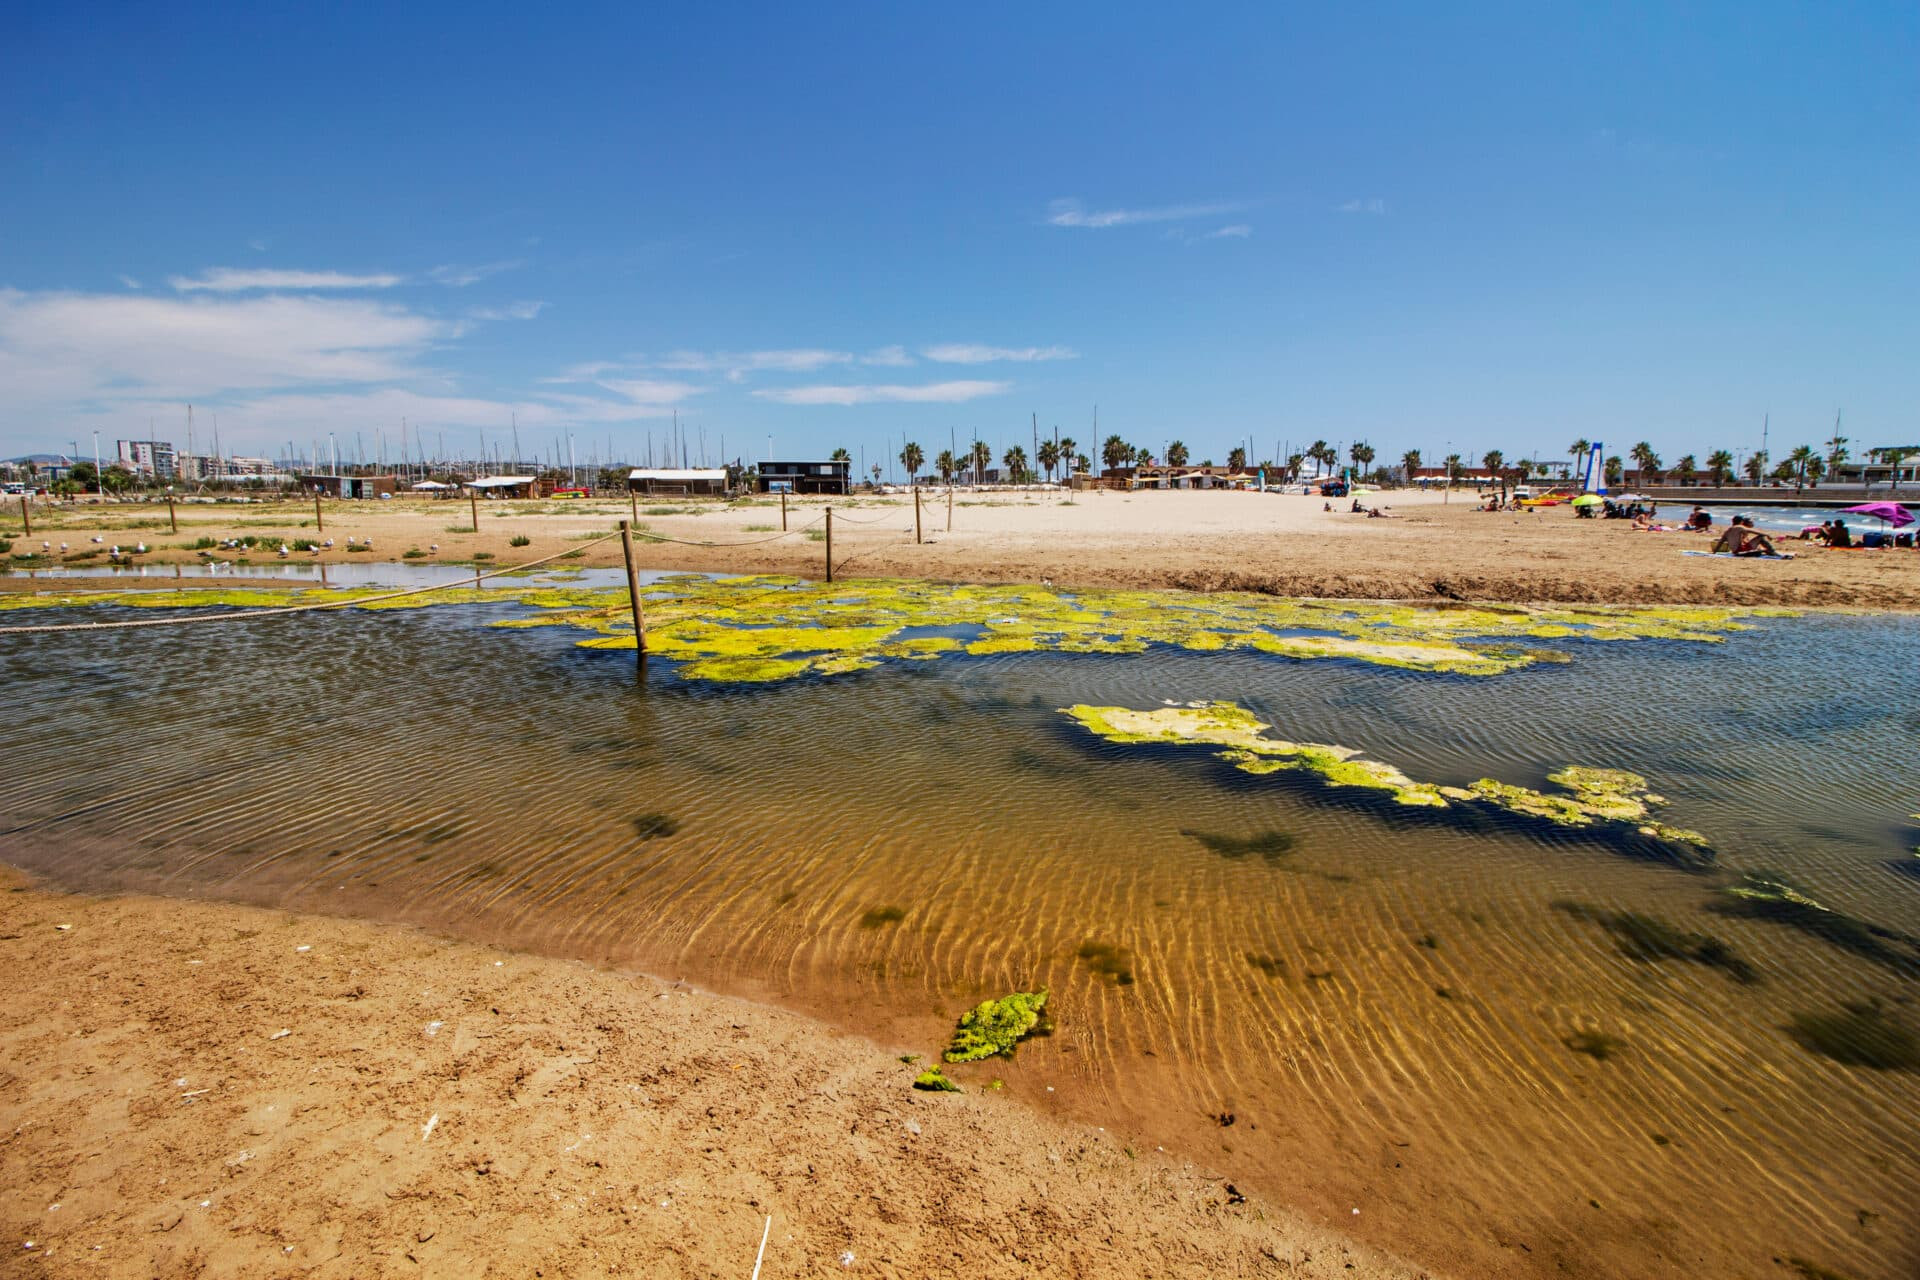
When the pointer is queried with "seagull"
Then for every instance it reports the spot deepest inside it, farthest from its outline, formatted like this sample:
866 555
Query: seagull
284 548
142 548
44 547
98 538
63 546
330 541
433 546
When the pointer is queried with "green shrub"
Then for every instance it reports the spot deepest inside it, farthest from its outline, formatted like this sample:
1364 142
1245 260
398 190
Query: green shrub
413 553
519 540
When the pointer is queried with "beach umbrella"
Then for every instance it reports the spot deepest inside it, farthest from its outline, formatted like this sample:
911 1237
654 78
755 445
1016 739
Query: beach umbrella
1892 512
1588 500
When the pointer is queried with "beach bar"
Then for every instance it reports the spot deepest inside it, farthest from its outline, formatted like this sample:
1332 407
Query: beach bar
350 486
679 481
806 477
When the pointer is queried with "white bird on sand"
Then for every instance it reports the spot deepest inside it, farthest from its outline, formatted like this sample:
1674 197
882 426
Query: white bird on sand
330 541
142 548
433 546
114 550
63 546
98 538
44 547
284 549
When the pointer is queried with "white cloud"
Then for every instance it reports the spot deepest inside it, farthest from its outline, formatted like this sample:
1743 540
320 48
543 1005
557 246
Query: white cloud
460 276
1070 213
257 244
241 280
737 365
512 311
1374 205
894 357
60 348
928 393
650 391
130 282
1238 231
979 353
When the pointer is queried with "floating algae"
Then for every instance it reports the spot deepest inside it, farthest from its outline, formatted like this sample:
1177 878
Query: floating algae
1860 1035
1596 797
932 1080
1269 845
1774 898
763 627
993 1027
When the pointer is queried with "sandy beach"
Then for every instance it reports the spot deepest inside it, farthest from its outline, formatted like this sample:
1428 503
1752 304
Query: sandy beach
1439 548
193 1089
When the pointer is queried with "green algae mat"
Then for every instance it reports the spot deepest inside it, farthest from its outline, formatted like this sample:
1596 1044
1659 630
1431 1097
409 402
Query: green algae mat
763 628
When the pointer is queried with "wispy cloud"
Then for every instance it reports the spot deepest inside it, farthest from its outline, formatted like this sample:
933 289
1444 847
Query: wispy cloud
1375 205
1071 213
927 393
243 280
650 391
979 353
130 282
1238 231
257 244
459 276
737 365
512 311
894 357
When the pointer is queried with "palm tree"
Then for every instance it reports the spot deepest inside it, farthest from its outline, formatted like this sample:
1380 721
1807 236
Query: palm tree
1836 450
1082 463
1323 453
1614 469
1578 450
875 468
1647 461
1293 465
912 459
1177 454
1362 454
840 455
1720 467
946 464
1115 453
1493 460
1236 459
1892 456
1757 465
1453 468
1409 463
1799 460
1048 455
1067 446
980 456
1015 460
1684 470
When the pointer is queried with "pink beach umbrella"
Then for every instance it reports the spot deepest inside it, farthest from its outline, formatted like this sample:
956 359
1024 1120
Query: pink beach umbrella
1892 512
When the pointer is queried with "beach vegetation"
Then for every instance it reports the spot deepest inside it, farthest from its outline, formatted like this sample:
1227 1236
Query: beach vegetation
992 1028
1269 845
1648 938
1108 961
649 826
1597 1045
1774 898
933 1080
1861 1034
519 540
413 553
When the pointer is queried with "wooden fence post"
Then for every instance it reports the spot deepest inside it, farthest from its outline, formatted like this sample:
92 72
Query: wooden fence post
783 511
319 520
949 508
473 501
633 505
26 515
829 544
173 517
633 591
916 515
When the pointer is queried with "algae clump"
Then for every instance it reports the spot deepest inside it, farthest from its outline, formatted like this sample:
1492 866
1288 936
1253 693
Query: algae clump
933 1081
993 1027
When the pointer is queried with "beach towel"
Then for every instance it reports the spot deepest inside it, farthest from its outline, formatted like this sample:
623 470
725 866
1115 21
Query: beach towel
1728 555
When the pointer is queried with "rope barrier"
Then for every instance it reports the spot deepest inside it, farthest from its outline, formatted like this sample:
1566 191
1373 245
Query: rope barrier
282 611
751 542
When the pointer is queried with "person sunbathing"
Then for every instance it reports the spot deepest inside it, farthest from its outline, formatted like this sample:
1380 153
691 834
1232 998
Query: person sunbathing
1742 539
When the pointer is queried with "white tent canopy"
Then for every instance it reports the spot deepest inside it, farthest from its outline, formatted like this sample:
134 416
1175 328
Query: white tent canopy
500 482
679 475
431 485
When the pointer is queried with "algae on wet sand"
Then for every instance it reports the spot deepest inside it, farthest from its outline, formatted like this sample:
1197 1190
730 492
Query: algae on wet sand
993 1027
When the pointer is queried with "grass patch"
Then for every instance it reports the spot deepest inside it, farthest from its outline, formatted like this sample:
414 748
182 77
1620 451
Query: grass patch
1108 961
459 528
6 545
759 528
483 555
519 540
413 553
651 825
816 535
199 544
1269 845
1860 1035
874 917
357 547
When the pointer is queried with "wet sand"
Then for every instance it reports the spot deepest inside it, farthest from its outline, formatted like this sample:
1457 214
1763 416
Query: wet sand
210 1090
1439 549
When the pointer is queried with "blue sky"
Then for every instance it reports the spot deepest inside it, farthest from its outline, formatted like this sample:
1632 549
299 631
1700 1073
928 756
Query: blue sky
836 225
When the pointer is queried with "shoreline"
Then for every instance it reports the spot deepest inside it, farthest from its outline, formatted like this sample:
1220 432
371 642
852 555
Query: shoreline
1435 551
201 1086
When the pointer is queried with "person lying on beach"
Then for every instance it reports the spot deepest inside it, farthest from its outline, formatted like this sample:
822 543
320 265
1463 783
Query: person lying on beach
1742 539
1645 524
1698 518
1381 513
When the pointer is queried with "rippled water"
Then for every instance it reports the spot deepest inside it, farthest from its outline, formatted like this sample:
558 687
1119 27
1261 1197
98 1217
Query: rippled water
1385 1007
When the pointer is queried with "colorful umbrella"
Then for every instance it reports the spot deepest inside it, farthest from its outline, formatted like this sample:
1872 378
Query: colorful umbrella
1892 512
1588 500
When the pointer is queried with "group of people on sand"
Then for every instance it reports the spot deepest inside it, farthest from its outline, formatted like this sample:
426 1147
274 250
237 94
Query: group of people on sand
1742 539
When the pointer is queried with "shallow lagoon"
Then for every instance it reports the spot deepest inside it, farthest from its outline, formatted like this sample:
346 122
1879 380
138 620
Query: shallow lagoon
1461 1022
